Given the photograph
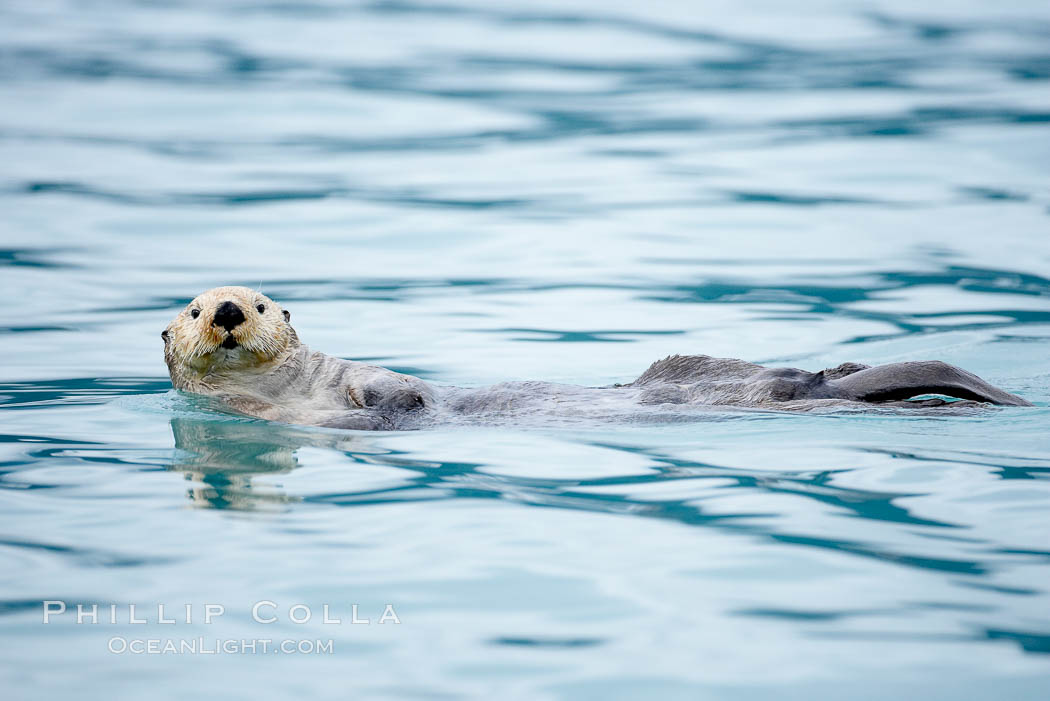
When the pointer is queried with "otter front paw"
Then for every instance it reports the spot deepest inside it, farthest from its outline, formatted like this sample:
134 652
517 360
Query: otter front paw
403 399
400 398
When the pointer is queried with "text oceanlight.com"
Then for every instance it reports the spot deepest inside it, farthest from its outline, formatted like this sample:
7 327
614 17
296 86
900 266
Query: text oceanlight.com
203 646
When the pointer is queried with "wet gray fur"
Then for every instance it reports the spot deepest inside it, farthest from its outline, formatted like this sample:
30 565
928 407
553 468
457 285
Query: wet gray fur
316 389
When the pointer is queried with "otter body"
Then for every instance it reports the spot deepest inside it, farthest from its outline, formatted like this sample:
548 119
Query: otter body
236 345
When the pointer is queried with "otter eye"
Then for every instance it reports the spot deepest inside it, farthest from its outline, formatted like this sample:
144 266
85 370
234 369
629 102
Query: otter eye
195 313
261 308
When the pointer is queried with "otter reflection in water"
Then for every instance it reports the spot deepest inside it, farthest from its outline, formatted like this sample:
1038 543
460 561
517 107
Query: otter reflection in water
238 346
223 458
237 464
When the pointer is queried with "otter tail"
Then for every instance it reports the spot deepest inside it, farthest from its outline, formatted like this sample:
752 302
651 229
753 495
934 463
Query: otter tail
899 381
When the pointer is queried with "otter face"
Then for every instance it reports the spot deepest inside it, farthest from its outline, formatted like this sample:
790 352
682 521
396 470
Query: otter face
226 329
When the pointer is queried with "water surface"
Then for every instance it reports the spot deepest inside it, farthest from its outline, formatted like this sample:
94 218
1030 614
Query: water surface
479 192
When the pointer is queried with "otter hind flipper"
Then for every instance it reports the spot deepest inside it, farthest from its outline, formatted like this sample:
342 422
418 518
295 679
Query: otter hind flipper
900 381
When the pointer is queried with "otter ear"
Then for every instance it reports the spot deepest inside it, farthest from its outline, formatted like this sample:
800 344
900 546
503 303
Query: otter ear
164 334
287 314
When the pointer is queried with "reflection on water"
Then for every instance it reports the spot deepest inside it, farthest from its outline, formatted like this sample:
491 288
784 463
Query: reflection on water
477 192
896 528
225 456
222 458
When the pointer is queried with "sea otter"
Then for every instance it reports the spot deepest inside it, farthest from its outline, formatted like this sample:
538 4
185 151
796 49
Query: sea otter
237 345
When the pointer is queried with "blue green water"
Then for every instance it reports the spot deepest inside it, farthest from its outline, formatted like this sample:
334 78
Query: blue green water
476 192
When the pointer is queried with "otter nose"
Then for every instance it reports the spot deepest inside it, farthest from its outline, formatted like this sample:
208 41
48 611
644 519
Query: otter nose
228 315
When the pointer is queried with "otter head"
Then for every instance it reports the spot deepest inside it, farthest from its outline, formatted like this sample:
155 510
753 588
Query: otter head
223 332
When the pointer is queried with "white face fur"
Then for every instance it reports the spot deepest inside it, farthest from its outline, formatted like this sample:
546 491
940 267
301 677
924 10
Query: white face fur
226 328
